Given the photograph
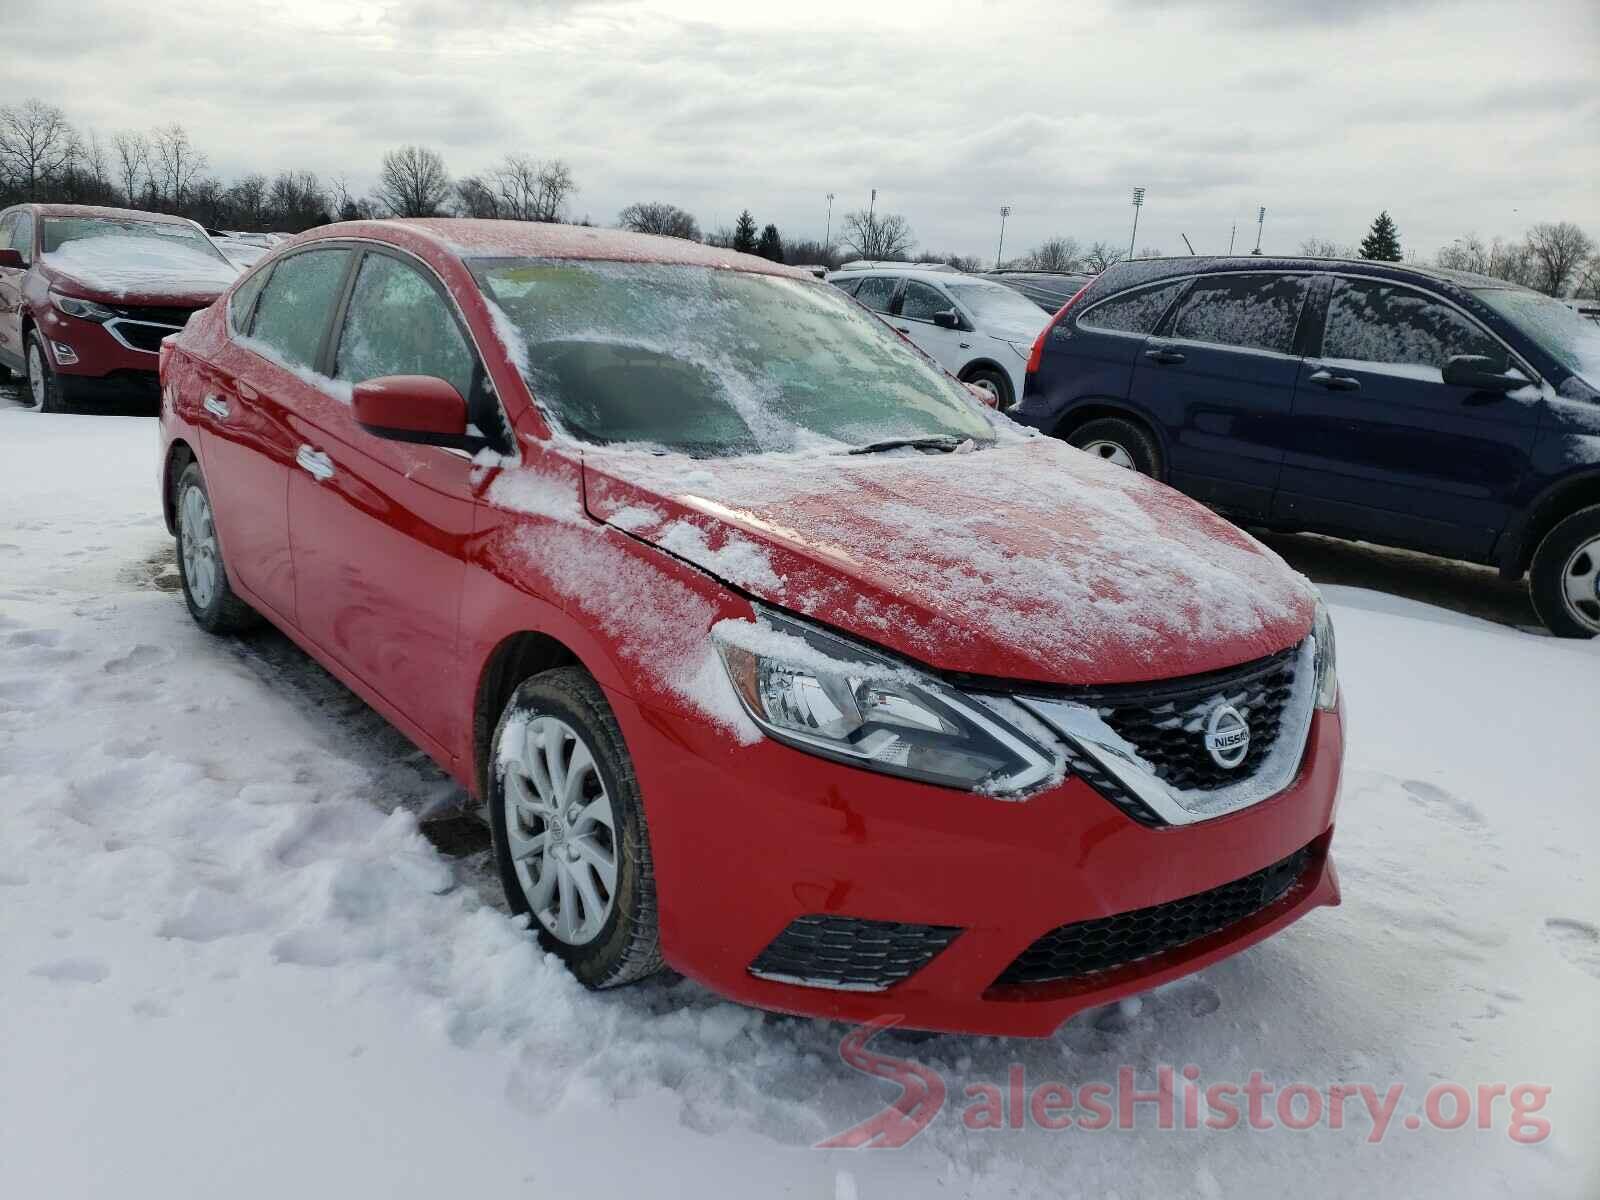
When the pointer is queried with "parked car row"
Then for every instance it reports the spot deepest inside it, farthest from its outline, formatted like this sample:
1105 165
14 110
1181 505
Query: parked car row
754 629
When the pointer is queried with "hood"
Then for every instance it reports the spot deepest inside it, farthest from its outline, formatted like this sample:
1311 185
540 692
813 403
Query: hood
121 270
1027 560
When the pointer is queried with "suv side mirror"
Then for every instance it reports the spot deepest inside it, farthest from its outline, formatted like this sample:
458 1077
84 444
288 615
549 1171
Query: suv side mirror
1480 373
413 408
12 258
947 319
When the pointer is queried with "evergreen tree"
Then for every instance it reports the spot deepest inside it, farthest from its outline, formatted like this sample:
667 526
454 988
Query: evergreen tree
1383 242
744 233
770 245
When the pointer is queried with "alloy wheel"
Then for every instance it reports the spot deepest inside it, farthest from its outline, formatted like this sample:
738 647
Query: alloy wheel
1110 452
197 543
1580 584
560 828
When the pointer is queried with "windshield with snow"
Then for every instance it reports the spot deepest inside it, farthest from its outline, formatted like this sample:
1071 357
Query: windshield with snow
1568 337
717 363
994 304
60 230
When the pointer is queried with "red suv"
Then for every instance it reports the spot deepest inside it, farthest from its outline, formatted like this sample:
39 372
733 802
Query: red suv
87 294
774 655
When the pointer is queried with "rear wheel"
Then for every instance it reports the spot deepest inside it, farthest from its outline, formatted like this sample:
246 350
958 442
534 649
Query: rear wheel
569 829
995 383
44 385
212 603
1120 442
1564 579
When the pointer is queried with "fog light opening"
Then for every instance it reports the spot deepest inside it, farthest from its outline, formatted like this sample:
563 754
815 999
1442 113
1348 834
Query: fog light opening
65 354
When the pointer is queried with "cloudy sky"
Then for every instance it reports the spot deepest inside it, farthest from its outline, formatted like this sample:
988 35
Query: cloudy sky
1454 115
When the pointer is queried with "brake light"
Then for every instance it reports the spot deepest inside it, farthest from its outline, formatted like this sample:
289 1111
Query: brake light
1037 353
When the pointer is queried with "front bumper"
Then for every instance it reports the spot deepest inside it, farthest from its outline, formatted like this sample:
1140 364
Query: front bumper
746 840
97 363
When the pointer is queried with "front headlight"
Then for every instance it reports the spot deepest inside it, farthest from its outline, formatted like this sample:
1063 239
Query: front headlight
84 310
831 696
1327 668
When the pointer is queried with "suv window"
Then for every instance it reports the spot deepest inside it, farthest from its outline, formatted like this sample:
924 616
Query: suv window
1132 312
22 236
876 292
1370 321
294 309
919 302
399 324
1255 312
8 225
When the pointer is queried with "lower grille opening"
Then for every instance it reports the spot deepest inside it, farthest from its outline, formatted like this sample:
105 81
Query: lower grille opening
849 953
1086 947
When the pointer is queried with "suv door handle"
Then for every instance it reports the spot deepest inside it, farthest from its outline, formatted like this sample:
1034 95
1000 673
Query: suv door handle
1164 356
315 463
217 408
1335 383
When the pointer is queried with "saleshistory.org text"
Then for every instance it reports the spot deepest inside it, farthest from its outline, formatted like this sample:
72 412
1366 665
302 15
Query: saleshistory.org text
1174 1098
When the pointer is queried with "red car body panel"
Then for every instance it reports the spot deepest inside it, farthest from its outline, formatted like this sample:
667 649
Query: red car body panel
408 568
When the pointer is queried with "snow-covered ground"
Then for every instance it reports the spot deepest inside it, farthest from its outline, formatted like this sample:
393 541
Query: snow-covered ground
230 960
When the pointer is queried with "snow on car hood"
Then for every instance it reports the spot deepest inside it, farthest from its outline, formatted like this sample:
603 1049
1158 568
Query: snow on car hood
140 269
1027 560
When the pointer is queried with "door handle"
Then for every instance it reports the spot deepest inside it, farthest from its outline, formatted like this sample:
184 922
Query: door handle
217 408
315 463
1164 356
1335 383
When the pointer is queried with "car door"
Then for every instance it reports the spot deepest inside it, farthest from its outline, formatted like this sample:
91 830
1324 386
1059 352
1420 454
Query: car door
912 315
1219 377
248 389
16 233
379 527
1385 449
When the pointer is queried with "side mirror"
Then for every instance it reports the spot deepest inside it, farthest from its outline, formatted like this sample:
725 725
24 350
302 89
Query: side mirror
12 258
412 408
947 319
1480 373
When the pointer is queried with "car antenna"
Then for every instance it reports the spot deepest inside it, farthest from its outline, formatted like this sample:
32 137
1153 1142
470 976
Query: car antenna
1186 242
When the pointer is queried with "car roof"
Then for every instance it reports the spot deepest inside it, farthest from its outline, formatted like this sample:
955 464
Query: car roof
1131 272
114 214
473 238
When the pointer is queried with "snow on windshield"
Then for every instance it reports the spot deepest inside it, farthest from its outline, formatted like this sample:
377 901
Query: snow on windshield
1567 336
994 304
122 264
714 362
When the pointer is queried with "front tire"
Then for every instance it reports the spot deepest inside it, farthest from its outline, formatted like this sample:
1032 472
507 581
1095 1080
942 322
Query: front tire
44 385
1121 442
212 602
569 830
1564 578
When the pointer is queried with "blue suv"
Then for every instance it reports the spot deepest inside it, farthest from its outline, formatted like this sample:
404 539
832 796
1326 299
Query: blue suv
1428 409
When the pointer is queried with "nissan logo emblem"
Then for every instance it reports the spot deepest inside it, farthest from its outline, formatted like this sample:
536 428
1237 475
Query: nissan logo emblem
1227 736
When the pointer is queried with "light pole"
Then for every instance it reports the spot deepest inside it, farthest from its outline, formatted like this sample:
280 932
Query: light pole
1232 233
999 251
1138 203
827 237
1261 219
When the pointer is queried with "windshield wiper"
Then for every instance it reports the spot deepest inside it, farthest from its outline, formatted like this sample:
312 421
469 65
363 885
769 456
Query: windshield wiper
943 442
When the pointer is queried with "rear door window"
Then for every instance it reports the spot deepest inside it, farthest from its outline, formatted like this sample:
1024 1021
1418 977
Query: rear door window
876 292
295 307
1132 312
1376 322
1251 312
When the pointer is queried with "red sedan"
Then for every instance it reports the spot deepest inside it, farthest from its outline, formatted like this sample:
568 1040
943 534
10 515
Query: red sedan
775 657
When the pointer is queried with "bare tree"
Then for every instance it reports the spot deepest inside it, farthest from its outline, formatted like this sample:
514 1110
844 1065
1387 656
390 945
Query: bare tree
1102 255
297 201
878 236
247 201
475 198
1557 249
1055 254
133 161
36 146
658 217
1320 247
1466 253
177 162
530 190
414 182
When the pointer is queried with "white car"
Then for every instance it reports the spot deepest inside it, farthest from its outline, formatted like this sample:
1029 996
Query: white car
978 330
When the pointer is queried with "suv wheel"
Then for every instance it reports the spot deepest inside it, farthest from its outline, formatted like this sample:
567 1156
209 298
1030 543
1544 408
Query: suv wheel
44 385
1121 442
212 603
569 830
1564 580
